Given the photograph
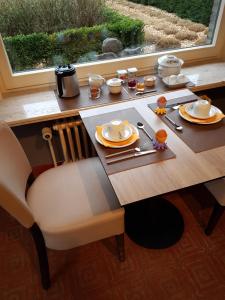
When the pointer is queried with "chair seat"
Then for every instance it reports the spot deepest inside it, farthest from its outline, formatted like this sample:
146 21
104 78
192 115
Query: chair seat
217 189
75 204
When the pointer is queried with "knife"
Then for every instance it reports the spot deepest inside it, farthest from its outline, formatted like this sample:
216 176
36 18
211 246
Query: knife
117 159
180 103
146 92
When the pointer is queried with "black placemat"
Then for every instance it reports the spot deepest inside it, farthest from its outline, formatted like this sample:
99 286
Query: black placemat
198 137
133 117
83 99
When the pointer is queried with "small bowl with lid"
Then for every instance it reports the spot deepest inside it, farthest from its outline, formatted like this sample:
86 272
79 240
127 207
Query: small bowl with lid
114 85
169 65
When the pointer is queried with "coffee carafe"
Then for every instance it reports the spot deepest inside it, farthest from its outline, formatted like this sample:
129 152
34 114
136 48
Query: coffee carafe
67 83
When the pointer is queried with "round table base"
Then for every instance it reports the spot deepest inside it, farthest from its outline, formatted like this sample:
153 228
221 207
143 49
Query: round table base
153 223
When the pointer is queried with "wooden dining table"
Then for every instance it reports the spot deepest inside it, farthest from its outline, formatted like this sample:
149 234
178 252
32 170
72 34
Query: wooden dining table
185 169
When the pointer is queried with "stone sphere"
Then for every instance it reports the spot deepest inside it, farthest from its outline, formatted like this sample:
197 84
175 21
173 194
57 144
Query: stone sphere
112 45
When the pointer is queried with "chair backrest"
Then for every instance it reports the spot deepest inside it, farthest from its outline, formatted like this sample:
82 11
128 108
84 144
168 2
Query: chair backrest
14 172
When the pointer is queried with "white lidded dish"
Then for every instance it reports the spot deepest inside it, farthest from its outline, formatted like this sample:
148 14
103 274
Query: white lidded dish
114 85
169 65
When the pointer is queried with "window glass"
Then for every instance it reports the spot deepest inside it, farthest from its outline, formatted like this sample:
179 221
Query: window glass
43 33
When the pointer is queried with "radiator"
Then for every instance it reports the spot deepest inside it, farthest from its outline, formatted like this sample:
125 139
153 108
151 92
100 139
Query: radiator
74 141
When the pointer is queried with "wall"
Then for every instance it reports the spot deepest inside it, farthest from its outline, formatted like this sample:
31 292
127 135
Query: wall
37 150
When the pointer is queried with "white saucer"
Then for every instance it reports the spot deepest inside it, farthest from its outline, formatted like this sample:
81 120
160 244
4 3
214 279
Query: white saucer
178 84
189 109
134 130
120 135
197 121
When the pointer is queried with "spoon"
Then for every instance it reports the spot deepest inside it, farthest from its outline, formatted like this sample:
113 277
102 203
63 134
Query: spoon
137 149
142 126
177 127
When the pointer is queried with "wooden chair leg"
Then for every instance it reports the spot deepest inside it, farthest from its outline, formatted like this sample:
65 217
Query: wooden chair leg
120 246
214 218
42 255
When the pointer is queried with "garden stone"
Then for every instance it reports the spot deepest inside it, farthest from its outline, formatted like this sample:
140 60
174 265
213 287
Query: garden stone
108 55
112 45
131 51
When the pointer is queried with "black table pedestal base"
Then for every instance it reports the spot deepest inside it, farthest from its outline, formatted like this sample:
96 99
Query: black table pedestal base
153 223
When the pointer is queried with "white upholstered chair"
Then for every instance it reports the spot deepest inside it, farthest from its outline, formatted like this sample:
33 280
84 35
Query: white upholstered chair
65 207
217 189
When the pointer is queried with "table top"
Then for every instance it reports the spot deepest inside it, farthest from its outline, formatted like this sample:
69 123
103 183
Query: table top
187 169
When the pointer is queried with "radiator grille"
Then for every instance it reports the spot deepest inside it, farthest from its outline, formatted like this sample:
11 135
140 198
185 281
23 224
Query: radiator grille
74 140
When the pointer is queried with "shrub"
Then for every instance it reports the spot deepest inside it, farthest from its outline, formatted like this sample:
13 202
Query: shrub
42 49
28 16
196 10
28 50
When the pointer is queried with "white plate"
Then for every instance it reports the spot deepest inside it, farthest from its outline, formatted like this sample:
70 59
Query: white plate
190 111
134 130
196 122
176 85
122 136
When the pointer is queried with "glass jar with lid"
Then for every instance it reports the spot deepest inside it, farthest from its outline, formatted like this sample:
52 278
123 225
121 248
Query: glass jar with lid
132 78
122 74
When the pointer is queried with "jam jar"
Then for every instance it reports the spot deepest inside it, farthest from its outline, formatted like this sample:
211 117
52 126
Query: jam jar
132 78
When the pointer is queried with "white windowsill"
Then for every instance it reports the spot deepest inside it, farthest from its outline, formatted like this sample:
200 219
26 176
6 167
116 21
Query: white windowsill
37 106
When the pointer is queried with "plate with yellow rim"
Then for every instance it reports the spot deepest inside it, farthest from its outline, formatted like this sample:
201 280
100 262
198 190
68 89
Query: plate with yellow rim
215 119
189 108
127 143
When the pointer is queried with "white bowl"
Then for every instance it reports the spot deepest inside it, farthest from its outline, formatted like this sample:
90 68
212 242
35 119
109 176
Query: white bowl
114 85
167 71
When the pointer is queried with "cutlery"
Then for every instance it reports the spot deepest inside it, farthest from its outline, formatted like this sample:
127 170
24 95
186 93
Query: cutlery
177 127
137 149
142 126
146 92
178 104
141 153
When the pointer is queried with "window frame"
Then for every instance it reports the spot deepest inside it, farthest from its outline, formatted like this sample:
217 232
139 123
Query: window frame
10 81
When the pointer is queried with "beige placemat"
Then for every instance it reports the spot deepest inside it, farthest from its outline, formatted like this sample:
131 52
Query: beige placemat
133 117
198 137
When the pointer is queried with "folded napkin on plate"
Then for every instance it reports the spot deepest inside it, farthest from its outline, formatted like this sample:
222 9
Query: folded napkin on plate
134 137
215 118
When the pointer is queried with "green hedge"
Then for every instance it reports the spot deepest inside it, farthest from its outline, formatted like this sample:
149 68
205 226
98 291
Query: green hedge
196 10
68 46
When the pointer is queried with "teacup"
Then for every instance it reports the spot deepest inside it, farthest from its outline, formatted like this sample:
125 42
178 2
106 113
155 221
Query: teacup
180 78
96 80
201 108
116 129
172 79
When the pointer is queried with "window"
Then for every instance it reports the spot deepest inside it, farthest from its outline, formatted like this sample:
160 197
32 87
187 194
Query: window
102 36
